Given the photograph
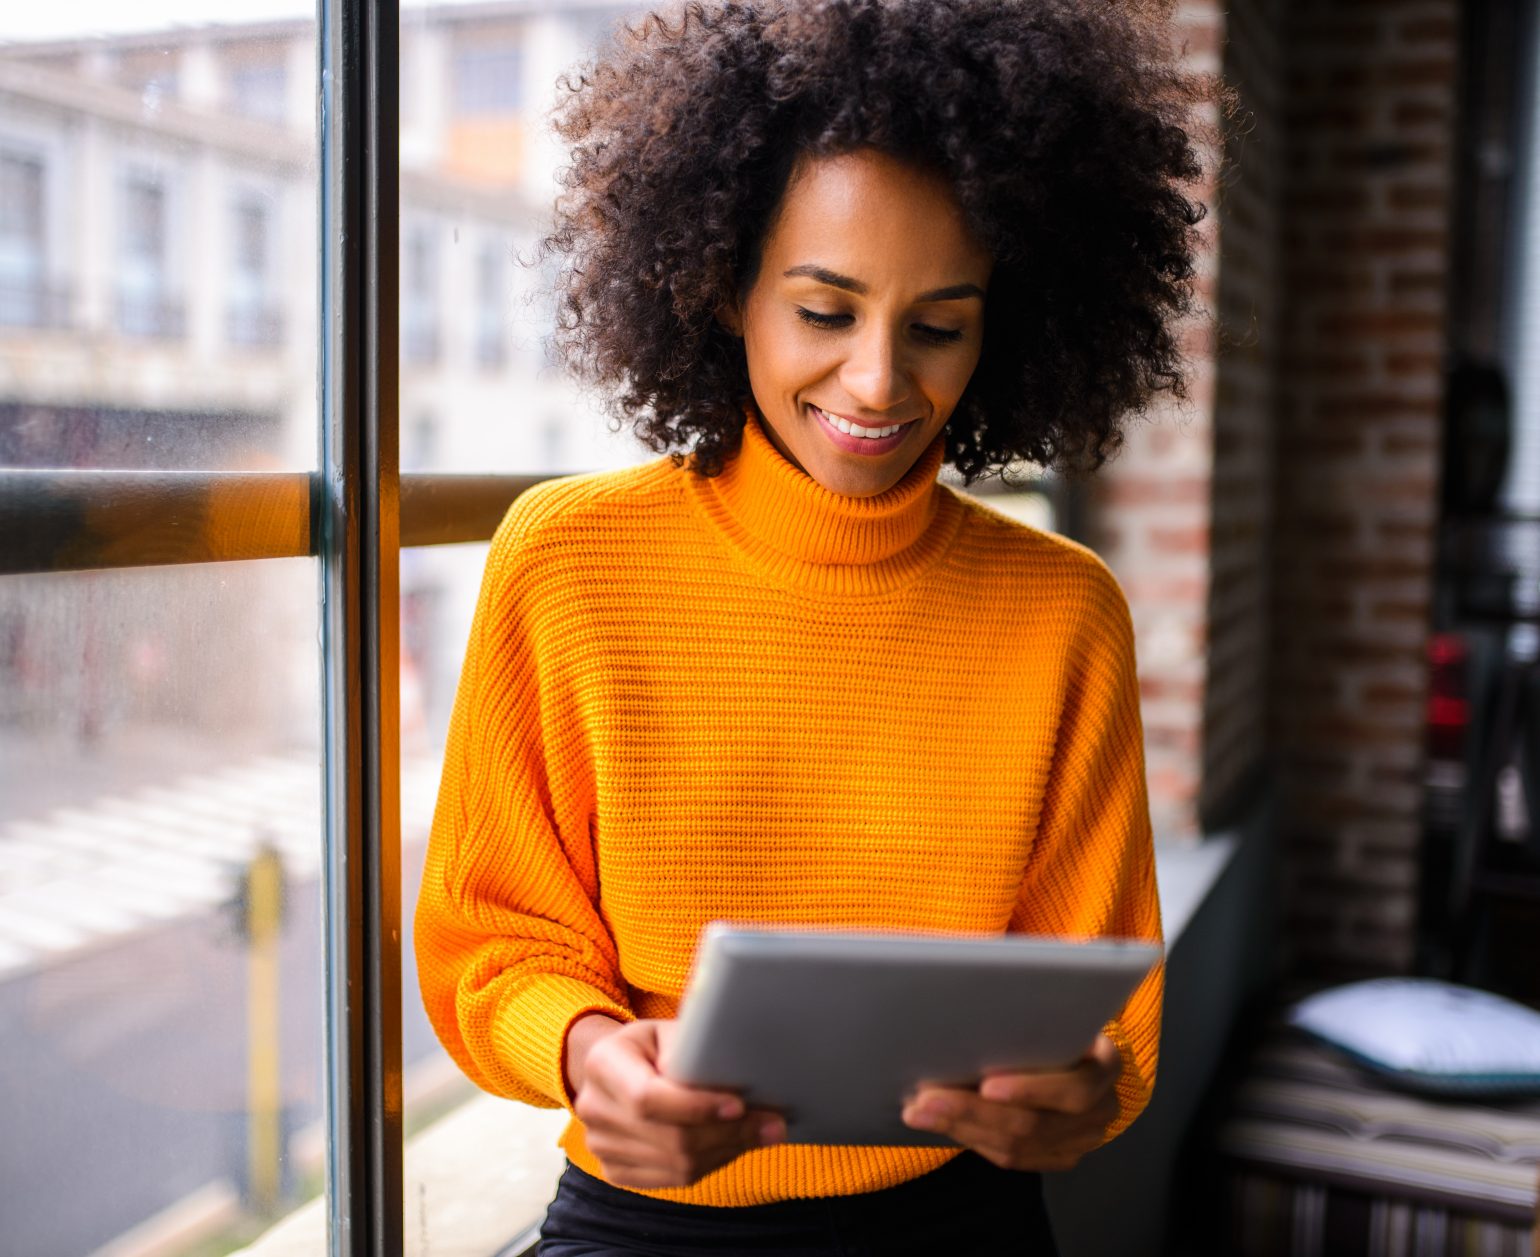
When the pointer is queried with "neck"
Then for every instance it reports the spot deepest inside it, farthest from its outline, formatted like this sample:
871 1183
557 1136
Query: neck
803 533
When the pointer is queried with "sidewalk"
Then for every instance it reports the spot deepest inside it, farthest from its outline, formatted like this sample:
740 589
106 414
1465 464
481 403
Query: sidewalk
76 877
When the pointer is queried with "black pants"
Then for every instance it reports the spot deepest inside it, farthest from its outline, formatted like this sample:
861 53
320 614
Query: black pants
966 1207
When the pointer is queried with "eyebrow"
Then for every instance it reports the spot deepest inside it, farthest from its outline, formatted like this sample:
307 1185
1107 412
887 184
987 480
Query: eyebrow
955 292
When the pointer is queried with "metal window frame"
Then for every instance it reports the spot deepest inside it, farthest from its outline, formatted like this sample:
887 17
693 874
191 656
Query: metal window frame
72 521
357 510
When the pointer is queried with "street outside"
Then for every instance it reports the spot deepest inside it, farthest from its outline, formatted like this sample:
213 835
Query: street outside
123 976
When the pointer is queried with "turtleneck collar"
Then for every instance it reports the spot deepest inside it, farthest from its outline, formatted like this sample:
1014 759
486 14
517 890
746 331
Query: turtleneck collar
803 534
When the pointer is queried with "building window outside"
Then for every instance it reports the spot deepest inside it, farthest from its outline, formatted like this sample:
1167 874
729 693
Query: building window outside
488 80
145 305
420 333
25 298
260 91
491 287
253 317
153 74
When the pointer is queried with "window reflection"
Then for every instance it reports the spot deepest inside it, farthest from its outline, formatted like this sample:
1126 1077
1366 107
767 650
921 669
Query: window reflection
255 316
420 296
158 253
147 305
259 89
159 1008
160 767
24 296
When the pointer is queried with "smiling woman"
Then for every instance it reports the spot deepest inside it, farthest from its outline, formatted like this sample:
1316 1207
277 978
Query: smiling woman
857 360
818 248
1059 131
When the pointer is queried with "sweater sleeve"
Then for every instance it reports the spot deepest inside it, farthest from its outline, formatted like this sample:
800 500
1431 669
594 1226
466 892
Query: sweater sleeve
510 945
1091 872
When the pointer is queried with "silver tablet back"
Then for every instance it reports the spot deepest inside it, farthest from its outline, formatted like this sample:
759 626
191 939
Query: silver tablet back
837 1029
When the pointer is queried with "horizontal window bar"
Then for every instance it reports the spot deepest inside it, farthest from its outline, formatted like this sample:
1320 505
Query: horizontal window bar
54 521
441 510
60 521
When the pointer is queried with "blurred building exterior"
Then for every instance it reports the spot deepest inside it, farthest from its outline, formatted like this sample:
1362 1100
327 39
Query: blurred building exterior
159 303
155 185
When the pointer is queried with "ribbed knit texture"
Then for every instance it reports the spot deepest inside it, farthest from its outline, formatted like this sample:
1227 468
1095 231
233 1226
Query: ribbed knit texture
749 698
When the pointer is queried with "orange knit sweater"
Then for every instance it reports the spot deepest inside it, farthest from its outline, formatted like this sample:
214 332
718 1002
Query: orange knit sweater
748 697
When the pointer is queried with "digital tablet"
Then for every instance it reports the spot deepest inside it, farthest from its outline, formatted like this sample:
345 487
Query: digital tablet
836 1030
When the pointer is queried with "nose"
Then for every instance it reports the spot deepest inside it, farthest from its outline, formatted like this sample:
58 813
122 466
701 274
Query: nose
875 375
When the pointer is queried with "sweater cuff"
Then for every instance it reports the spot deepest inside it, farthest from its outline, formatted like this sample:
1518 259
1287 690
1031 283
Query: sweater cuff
1133 1091
530 1032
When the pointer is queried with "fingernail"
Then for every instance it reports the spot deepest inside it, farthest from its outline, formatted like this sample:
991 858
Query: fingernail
994 1089
931 1113
772 1132
730 1109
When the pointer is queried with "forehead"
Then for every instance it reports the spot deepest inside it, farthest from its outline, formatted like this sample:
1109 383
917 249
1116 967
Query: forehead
873 217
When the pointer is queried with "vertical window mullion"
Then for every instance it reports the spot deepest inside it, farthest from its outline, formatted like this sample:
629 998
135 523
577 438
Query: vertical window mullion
358 507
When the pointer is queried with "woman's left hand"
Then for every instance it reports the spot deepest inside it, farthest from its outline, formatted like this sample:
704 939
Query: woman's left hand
1041 1121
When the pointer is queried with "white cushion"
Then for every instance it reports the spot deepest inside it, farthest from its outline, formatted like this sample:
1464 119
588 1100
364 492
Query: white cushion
1429 1035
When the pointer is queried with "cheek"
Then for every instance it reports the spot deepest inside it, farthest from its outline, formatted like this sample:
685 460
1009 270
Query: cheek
786 360
946 381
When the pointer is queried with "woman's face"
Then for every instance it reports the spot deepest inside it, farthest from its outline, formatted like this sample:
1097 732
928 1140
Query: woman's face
865 321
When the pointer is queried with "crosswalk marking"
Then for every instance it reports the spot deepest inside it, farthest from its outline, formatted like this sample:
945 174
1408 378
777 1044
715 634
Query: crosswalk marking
85 874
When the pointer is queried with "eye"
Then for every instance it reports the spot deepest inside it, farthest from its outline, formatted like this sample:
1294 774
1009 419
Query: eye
933 335
822 320
937 335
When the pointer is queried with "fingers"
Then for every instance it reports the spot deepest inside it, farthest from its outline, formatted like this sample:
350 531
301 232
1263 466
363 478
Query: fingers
628 1072
1010 1136
1024 1121
1063 1091
655 1155
648 1131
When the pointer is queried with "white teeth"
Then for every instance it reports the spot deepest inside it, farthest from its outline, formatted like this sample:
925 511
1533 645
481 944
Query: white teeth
854 429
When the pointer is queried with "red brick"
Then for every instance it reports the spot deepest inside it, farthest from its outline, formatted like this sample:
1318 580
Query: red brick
1367 406
1431 29
1137 490
1179 540
1385 239
1401 612
1387 154
1328 444
1375 323
1203 39
1403 444
1429 72
1415 363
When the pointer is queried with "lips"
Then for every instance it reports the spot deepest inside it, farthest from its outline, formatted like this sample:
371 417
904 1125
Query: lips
854 443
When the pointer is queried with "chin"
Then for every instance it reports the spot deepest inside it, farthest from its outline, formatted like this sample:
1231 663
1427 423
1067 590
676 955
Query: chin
855 483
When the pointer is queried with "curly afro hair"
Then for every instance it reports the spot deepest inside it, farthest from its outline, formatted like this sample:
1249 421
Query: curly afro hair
1062 127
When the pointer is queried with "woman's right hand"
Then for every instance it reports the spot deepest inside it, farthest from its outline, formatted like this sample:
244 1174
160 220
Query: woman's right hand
646 1130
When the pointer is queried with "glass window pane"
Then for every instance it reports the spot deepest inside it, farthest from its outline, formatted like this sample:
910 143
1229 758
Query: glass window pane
160 766
160 945
158 259
489 1164
479 390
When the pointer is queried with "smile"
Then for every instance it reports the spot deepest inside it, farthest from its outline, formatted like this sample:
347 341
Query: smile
855 429
856 439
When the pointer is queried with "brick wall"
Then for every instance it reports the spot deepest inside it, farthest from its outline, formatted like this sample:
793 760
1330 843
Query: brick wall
1368 114
1249 211
1275 534
1148 515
